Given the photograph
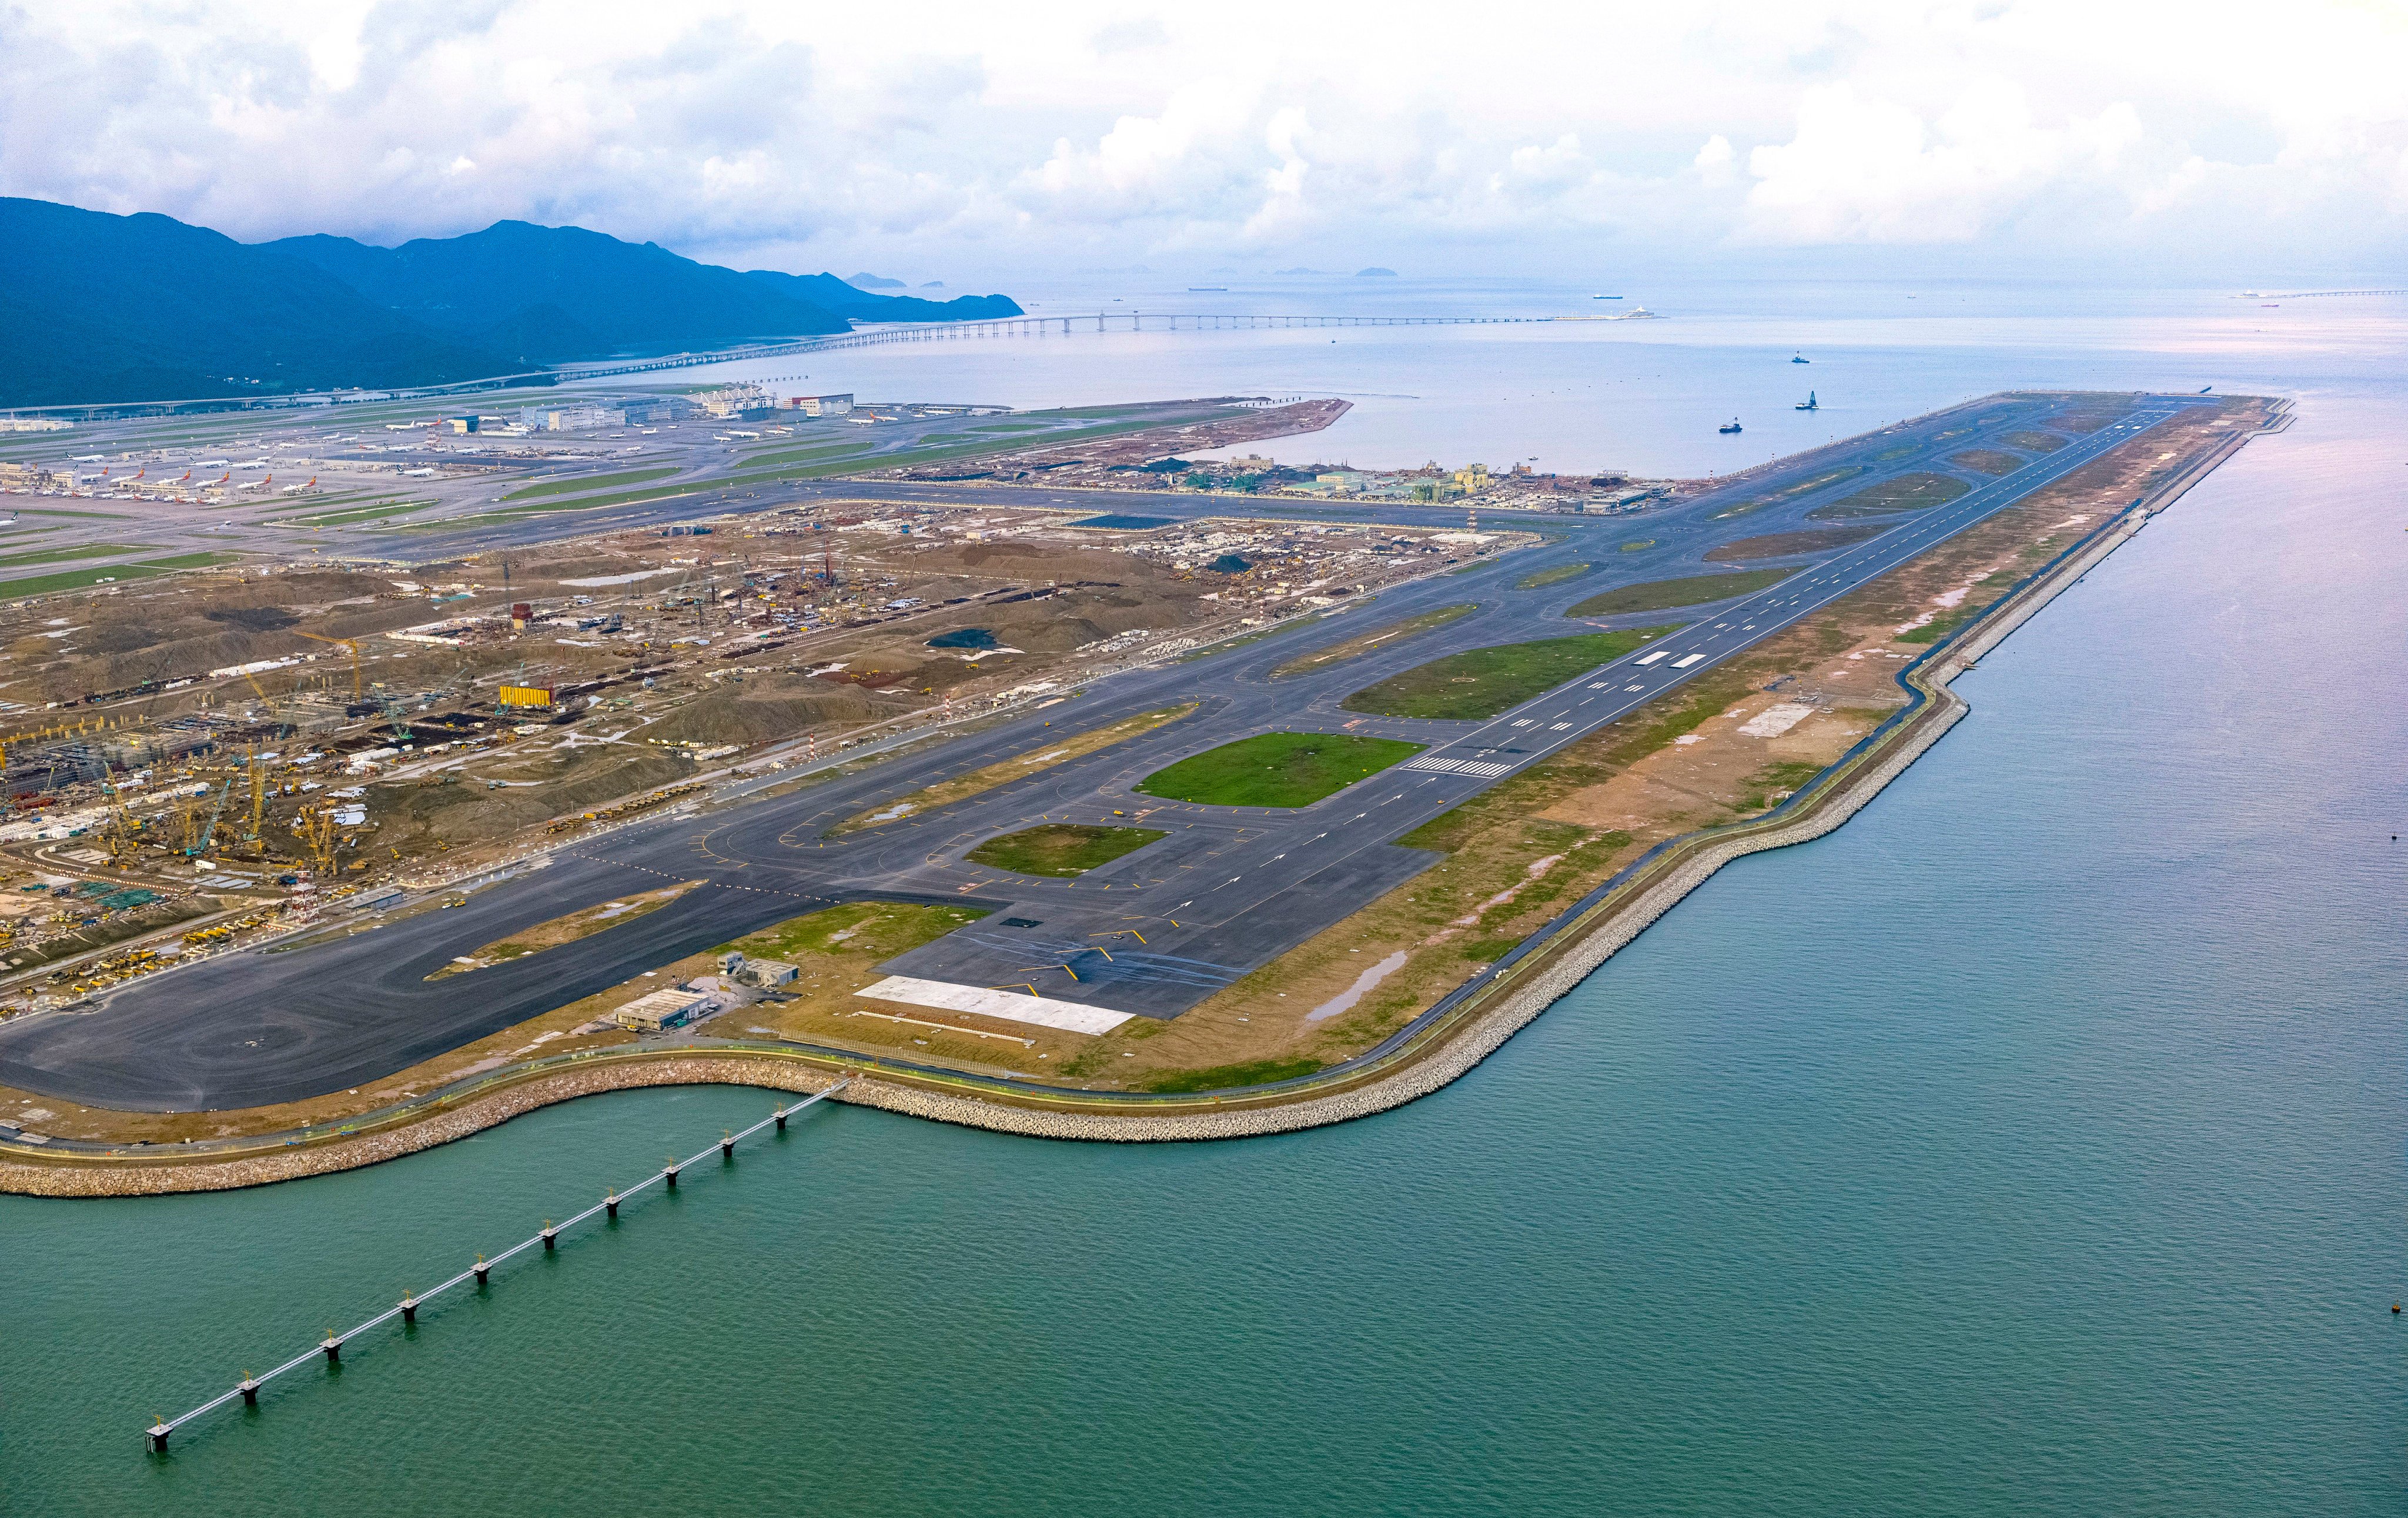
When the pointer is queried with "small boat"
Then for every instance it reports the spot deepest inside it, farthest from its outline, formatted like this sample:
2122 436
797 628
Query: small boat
1207 290
1605 297
1799 358
1809 403
1733 427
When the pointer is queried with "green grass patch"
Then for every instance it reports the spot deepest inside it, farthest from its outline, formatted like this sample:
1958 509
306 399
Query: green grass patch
337 519
782 454
1805 487
64 555
1775 782
1061 849
828 468
1988 460
585 482
1228 1077
1482 682
76 579
2031 441
1554 575
1917 491
881 929
1338 653
1781 544
1638 543
1489 951
1662 594
1276 770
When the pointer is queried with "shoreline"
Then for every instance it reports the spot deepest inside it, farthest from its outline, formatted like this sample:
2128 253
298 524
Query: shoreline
1431 1053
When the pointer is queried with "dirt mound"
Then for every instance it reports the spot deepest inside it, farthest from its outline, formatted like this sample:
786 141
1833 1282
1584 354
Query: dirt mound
762 708
253 619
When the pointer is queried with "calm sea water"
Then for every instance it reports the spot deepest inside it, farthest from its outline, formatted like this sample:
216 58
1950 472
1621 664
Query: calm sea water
2032 1144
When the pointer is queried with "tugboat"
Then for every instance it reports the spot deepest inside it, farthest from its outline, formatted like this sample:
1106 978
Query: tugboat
1809 403
1799 358
1733 427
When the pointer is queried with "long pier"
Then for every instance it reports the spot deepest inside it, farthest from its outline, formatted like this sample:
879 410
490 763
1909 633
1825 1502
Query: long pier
1016 326
1039 326
407 1308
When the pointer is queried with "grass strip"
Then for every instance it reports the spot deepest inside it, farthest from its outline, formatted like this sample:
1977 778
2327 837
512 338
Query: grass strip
1482 682
1990 461
1276 770
903 459
337 519
1553 576
1663 595
583 483
75 579
1917 491
1781 544
87 550
1338 653
561 930
1788 494
978 781
1061 850
1229 1077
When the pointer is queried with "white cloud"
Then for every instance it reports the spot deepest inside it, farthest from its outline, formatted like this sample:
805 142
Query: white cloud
1094 130
1868 170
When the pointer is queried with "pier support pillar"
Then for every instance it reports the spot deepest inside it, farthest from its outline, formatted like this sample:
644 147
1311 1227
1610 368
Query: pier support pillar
158 1433
782 1119
482 1270
250 1392
410 1310
334 1348
727 1149
612 1202
671 1174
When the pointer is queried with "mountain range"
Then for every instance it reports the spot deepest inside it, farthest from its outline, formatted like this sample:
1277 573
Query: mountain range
101 307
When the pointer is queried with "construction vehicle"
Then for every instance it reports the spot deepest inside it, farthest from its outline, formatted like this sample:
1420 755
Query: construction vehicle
395 715
122 825
258 795
194 846
317 827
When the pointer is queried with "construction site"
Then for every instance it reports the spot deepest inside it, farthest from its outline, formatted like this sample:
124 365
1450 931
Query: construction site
197 761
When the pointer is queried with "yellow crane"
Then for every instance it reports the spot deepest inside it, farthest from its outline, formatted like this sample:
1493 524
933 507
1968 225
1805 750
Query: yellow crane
317 827
353 645
258 794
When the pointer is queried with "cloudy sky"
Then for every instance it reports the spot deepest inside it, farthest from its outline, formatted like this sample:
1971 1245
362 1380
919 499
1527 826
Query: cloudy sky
984 142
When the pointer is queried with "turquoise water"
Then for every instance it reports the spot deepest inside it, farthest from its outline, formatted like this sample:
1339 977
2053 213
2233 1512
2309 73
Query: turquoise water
2034 1143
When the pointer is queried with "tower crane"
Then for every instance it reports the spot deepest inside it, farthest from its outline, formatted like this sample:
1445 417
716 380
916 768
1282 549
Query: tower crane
200 845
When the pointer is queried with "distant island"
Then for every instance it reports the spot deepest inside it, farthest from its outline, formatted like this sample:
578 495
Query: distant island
873 281
1375 272
97 307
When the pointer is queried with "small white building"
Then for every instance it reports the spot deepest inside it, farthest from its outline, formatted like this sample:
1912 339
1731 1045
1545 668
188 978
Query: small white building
657 1011
767 974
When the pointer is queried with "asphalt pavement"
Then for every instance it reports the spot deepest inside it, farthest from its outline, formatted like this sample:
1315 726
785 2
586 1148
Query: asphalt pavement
1151 934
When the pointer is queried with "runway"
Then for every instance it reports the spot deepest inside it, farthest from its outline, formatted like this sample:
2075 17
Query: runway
1225 892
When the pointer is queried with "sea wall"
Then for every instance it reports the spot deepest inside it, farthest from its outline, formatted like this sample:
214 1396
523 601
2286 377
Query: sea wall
1444 1052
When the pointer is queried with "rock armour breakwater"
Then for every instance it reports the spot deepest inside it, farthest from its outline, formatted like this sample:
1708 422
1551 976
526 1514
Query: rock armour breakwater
1448 1050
